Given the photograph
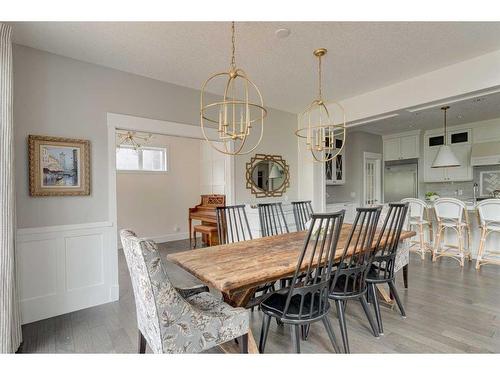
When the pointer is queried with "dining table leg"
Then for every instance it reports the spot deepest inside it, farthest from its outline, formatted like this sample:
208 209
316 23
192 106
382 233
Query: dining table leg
240 299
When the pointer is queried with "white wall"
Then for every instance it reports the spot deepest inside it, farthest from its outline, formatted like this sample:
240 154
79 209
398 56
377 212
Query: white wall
58 96
156 204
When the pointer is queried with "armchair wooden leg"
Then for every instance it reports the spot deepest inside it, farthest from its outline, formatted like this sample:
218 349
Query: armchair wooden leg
405 276
244 343
142 343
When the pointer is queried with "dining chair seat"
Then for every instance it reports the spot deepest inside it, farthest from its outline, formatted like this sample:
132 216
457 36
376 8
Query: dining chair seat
275 305
343 291
375 275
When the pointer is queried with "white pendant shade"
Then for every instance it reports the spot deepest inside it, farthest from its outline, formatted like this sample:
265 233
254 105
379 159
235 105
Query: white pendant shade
275 173
445 158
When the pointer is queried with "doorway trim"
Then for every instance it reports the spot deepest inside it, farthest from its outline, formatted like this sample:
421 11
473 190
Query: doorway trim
127 122
378 171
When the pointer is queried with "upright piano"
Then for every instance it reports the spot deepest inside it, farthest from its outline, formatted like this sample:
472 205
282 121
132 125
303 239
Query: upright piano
205 211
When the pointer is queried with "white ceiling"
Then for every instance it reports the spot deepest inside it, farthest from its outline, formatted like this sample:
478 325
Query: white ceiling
362 55
467 110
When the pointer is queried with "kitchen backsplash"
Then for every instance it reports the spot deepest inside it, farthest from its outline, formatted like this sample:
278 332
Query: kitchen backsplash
453 189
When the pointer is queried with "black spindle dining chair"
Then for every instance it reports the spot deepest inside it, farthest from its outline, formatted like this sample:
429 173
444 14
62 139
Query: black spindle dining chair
382 266
349 279
302 211
272 219
232 224
306 300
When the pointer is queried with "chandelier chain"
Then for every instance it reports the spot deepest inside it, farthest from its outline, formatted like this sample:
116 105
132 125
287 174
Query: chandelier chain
233 41
319 79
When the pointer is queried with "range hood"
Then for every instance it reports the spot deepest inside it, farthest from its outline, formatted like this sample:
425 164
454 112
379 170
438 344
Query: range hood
487 153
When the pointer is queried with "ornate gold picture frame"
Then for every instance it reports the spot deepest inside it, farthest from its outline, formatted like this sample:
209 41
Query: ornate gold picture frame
267 175
58 166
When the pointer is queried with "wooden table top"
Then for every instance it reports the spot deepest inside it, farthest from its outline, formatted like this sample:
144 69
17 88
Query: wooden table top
242 265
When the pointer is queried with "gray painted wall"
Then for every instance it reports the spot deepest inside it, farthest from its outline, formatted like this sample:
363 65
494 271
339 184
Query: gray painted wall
58 96
357 143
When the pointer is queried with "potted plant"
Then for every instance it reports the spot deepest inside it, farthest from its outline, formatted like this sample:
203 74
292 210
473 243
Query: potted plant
431 196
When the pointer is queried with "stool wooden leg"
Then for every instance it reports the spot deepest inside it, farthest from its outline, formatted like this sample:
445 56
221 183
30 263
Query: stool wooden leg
422 245
469 243
461 246
437 243
481 248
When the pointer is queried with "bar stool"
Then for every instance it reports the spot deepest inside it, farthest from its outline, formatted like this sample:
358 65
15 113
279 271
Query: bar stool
419 220
451 213
488 212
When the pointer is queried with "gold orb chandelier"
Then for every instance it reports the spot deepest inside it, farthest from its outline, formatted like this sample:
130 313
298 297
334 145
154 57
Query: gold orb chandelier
325 133
240 110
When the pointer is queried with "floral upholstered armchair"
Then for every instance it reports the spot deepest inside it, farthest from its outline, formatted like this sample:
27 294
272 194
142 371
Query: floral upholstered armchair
175 320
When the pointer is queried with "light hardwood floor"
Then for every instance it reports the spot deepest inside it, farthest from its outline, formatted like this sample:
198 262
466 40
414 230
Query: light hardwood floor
449 309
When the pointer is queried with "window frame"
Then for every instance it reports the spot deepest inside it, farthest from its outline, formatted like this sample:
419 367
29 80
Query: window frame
166 156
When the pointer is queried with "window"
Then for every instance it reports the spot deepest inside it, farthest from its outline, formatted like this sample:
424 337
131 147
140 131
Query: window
462 137
150 159
436 141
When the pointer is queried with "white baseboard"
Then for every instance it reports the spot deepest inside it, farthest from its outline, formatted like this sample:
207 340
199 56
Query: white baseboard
169 237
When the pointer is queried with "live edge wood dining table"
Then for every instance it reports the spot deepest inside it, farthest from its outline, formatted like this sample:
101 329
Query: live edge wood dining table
237 269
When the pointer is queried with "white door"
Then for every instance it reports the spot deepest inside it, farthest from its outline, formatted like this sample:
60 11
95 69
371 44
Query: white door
372 181
215 171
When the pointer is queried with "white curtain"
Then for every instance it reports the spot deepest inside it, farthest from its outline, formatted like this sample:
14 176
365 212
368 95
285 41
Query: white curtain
10 327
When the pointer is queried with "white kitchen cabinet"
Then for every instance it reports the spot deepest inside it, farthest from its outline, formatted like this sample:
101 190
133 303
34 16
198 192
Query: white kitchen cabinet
409 147
462 151
432 174
464 172
392 149
335 168
402 146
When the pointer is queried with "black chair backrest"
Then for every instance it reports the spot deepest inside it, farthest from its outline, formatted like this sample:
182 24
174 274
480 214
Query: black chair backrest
272 219
232 224
388 241
310 284
350 273
302 211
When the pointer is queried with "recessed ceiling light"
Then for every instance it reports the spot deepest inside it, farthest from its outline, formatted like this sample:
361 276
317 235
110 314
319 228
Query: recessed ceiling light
282 33
460 116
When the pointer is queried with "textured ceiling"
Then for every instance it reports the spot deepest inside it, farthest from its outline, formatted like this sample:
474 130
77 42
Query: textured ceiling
464 111
362 55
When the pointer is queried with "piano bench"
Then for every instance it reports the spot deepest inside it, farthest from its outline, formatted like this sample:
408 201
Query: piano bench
210 231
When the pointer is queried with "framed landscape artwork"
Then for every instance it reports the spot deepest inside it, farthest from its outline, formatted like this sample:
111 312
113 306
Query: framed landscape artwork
58 166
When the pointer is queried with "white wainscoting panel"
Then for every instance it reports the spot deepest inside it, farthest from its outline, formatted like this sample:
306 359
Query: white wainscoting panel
66 268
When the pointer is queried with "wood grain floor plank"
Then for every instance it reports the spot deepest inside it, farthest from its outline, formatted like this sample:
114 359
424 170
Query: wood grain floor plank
450 310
